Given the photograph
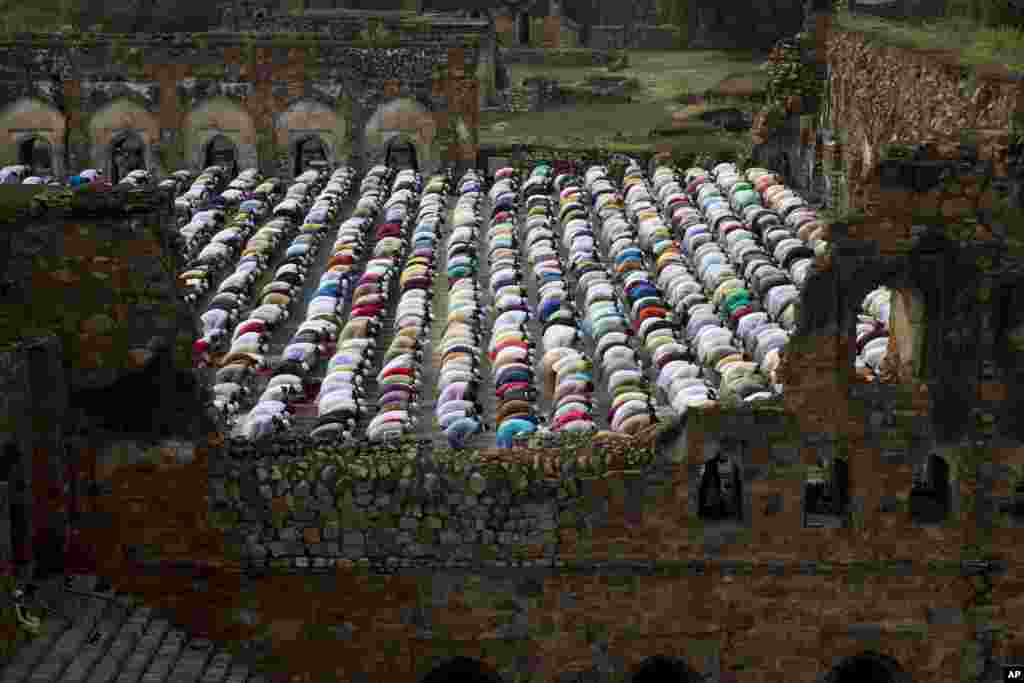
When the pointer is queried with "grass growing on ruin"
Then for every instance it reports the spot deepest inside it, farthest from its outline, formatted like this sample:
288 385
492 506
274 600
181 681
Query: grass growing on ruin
972 43
662 75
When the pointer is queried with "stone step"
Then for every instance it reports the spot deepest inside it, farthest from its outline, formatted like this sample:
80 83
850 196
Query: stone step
99 638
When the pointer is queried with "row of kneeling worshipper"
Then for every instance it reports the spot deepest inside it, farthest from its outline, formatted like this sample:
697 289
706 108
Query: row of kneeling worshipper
510 348
251 337
459 412
720 246
206 257
567 370
603 259
400 379
201 193
262 247
341 400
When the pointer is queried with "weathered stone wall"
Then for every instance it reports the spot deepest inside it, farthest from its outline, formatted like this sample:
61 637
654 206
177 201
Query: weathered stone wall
645 37
885 95
565 57
92 299
627 573
262 94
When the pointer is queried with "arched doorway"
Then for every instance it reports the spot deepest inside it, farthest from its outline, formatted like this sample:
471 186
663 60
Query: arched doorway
221 151
462 670
309 151
720 493
867 667
401 154
36 153
660 669
126 154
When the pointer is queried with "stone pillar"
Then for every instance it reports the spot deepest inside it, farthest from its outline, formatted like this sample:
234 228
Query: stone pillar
77 150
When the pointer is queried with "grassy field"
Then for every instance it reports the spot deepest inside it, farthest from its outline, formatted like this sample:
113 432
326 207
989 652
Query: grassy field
971 43
664 78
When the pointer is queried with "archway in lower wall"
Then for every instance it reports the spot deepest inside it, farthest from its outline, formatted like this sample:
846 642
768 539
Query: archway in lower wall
309 152
126 154
37 153
401 153
462 670
867 667
660 669
221 151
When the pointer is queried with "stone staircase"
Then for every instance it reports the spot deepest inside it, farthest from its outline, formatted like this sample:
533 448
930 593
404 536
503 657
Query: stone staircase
100 638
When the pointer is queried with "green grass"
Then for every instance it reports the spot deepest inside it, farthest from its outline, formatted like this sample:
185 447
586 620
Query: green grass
664 77
972 43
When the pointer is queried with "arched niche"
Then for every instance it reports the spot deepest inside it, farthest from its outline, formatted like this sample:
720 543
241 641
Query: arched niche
32 119
400 153
220 150
308 119
128 152
220 116
866 667
35 151
403 116
119 122
462 670
907 319
661 669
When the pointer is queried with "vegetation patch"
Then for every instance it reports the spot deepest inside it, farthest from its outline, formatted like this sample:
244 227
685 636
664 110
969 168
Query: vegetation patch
973 35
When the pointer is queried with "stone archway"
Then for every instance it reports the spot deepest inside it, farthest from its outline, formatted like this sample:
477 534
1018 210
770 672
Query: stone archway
661 669
867 667
401 153
403 116
221 151
127 153
225 117
307 119
462 670
308 149
29 119
119 122
36 152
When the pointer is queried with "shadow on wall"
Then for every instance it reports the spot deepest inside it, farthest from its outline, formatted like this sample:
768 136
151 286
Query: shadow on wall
158 400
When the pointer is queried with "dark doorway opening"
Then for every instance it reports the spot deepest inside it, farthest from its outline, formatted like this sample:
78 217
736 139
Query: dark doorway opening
220 151
523 28
309 151
930 496
720 490
866 668
401 154
661 669
126 156
36 153
827 497
12 470
462 670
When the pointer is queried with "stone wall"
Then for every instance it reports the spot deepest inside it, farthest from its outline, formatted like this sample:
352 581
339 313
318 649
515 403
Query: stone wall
352 25
92 314
585 569
262 94
886 95
542 93
645 37
570 57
